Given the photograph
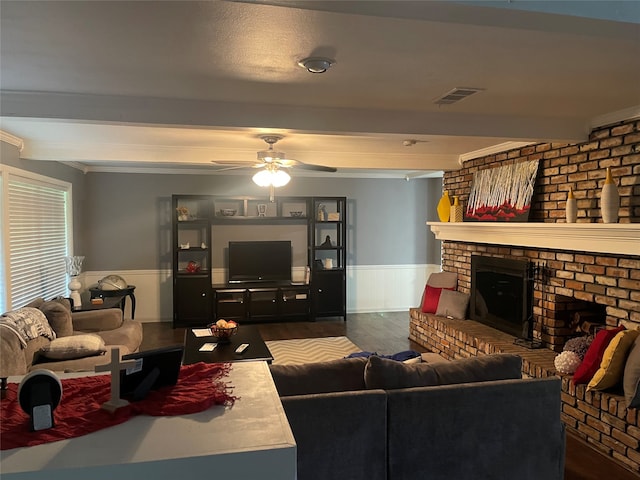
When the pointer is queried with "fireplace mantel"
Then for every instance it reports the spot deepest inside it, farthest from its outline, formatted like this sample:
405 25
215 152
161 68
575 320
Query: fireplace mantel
614 238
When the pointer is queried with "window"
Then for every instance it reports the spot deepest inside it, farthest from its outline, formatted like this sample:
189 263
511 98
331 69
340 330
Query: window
36 236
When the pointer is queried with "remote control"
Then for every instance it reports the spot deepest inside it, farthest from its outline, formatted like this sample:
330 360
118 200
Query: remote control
242 348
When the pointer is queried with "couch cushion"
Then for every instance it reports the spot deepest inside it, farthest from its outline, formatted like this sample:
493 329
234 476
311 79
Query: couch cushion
76 346
339 436
58 313
631 377
128 334
85 364
613 361
389 375
321 377
453 304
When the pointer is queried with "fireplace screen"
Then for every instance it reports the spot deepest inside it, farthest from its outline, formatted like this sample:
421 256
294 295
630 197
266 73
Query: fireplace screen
501 295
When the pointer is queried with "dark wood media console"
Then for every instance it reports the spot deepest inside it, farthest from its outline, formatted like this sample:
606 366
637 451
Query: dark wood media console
262 302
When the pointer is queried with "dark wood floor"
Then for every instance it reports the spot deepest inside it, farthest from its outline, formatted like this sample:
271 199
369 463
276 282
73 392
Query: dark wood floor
387 333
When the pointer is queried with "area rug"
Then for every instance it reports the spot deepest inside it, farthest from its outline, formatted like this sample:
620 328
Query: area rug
310 350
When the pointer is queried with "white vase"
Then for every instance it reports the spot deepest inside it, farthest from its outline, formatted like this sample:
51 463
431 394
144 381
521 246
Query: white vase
571 209
609 200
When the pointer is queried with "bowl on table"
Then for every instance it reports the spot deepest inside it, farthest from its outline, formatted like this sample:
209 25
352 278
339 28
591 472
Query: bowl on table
222 330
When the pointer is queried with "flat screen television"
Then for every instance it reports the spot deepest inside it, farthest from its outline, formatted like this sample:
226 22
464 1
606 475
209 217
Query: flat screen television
260 261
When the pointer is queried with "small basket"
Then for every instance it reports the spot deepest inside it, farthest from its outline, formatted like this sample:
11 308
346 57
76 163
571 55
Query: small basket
222 335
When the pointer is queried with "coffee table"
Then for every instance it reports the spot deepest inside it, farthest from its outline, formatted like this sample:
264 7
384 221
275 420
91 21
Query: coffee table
225 352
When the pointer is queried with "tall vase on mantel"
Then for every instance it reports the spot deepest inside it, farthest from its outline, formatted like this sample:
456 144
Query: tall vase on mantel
456 210
609 200
444 207
571 209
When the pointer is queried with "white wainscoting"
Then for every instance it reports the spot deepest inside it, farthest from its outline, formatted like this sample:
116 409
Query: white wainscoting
370 288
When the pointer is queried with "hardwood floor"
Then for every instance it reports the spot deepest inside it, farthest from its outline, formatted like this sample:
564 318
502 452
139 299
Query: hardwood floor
387 333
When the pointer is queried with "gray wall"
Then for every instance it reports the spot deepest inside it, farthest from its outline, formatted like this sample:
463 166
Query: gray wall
123 221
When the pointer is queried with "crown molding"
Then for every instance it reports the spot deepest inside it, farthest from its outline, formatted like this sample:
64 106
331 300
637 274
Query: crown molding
615 117
499 148
12 140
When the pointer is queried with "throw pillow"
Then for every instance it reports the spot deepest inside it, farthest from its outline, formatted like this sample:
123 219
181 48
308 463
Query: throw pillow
593 357
389 375
453 304
430 299
613 361
58 313
321 377
631 377
447 280
435 283
75 346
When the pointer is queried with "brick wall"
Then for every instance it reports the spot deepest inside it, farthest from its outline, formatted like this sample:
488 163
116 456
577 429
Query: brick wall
611 281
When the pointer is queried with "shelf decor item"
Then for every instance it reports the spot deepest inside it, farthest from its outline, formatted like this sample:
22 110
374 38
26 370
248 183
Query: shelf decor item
456 212
609 200
444 207
322 213
183 214
571 209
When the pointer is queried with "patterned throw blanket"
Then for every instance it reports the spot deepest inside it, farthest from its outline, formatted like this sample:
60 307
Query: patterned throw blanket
27 323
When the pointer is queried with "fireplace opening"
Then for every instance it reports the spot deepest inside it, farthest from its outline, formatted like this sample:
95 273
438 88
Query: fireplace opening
501 296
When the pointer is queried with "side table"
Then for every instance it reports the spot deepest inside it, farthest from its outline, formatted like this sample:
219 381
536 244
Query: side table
97 292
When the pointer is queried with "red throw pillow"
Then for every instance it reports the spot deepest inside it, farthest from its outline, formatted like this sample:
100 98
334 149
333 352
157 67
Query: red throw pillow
592 359
430 298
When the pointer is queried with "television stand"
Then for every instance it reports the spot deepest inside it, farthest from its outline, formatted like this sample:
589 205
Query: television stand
262 302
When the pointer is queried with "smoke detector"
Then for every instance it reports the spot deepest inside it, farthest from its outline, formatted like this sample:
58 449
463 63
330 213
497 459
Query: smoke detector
316 64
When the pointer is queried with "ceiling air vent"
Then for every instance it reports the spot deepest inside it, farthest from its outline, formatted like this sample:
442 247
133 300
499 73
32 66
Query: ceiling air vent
455 95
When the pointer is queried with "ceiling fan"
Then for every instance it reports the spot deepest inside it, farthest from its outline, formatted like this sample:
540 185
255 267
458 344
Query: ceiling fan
273 165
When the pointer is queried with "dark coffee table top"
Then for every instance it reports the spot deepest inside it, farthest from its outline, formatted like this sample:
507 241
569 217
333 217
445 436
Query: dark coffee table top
225 352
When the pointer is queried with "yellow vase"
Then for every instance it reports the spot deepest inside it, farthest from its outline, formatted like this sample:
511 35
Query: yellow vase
456 210
444 207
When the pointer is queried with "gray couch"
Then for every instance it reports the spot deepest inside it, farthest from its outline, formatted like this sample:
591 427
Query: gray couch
371 419
108 324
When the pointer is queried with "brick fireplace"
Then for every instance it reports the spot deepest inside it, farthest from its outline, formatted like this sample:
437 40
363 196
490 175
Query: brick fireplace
587 267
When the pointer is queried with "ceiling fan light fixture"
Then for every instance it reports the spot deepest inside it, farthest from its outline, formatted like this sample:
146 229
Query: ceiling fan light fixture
316 64
269 177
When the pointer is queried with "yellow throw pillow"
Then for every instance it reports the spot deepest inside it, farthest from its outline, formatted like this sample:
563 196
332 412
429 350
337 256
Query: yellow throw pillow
613 361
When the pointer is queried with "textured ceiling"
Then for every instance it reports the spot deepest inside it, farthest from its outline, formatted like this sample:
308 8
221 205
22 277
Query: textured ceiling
139 84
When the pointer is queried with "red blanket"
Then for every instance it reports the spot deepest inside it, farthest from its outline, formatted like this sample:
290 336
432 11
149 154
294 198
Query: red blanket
199 387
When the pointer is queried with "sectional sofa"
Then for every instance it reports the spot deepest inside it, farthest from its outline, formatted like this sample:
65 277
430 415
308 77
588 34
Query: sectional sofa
374 419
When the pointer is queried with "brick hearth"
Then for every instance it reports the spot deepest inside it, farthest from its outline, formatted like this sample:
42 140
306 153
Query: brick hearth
572 278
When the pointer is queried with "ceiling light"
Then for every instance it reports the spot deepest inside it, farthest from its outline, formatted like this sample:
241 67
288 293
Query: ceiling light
271 177
316 64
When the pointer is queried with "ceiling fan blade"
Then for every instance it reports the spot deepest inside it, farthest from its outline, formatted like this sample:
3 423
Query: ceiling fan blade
234 167
310 166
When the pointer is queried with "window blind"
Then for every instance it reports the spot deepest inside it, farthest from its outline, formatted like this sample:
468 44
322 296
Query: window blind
38 238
